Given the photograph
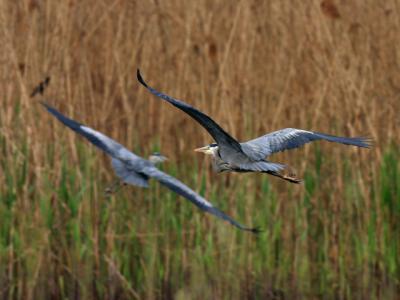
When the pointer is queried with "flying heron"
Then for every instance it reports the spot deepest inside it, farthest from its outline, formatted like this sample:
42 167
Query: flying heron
251 156
136 171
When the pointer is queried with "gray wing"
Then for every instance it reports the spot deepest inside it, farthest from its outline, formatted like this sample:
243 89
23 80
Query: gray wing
226 143
289 138
183 190
98 139
122 158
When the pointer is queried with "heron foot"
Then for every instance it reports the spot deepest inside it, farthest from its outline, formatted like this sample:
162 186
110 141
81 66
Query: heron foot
292 178
113 188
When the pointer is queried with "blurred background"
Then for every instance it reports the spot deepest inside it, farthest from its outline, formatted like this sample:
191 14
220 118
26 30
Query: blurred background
254 66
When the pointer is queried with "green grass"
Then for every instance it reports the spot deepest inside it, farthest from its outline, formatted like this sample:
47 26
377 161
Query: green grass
68 239
254 67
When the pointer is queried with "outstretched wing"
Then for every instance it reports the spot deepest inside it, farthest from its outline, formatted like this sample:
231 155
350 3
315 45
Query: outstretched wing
225 142
183 190
121 157
289 138
96 138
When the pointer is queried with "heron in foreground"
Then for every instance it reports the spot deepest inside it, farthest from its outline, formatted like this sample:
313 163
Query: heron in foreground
251 156
136 171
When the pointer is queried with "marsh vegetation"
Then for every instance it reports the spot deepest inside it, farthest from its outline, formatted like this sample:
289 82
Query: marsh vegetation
254 67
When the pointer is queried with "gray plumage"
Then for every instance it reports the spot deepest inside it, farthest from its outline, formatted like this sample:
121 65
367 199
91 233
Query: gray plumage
134 170
251 156
157 158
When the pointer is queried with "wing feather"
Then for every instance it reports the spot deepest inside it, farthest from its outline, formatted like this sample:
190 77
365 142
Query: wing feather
290 138
186 192
226 143
98 139
122 158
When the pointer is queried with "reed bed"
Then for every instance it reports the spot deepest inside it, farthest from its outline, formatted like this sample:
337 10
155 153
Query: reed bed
255 67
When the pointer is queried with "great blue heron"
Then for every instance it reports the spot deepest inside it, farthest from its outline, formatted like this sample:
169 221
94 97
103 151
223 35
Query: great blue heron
230 155
136 171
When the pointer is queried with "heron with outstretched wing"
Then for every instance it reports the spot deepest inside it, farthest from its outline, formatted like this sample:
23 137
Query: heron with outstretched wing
251 156
134 170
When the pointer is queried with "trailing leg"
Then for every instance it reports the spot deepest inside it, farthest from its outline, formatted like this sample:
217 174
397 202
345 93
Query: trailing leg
290 177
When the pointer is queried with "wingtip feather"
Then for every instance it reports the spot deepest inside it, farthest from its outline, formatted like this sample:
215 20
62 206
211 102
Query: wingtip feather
140 78
256 230
362 141
367 142
45 104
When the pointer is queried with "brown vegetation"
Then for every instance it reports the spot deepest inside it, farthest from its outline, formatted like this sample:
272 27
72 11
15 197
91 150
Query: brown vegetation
254 66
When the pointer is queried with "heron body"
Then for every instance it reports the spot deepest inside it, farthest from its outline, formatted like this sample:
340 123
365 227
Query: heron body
251 156
135 170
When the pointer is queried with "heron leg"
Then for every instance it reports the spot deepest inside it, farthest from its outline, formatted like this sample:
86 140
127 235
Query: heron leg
114 187
290 177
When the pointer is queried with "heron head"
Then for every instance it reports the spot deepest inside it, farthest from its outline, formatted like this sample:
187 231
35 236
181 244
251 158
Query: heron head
156 158
209 149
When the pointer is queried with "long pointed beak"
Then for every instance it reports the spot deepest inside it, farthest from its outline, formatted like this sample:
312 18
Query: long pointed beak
202 149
